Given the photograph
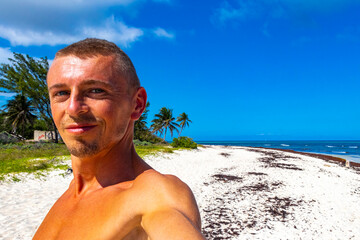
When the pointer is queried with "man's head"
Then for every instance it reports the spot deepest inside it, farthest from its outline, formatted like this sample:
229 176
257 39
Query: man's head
95 96
92 47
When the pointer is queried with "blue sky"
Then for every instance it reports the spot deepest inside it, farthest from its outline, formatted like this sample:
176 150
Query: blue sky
242 70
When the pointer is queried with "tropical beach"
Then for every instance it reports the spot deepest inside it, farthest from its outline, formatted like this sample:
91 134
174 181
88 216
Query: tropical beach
242 193
252 105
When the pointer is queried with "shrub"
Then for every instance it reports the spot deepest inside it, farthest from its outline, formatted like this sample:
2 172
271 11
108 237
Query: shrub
137 142
184 142
6 137
147 136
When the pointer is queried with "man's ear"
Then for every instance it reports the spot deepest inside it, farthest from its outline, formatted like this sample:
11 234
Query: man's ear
140 98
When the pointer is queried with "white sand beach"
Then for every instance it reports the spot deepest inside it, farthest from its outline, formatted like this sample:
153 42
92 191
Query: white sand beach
242 193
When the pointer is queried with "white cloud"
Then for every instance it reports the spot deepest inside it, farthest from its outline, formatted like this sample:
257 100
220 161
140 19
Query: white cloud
67 4
18 36
111 30
45 22
5 53
315 5
245 9
240 10
83 3
162 33
114 31
228 12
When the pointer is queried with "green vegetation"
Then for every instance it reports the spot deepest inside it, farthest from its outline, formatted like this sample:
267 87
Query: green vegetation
163 121
37 157
142 132
183 120
26 76
19 114
6 137
184 142
137 142
30 157
143 151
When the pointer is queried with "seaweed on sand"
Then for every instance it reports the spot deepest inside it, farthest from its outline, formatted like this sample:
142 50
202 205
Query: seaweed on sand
225 154
226 178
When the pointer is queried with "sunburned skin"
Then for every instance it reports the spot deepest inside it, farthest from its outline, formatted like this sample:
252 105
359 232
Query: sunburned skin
114 193
120 211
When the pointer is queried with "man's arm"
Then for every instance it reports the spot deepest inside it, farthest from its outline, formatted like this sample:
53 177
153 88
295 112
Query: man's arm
170 224
171 212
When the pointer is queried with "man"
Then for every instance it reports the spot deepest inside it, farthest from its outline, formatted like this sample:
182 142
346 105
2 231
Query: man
95 99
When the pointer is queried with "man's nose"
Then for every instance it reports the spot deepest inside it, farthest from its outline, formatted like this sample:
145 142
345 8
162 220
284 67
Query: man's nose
76 105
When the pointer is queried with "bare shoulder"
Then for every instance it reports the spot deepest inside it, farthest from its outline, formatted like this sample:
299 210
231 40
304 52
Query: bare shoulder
169 185
168 182
167 191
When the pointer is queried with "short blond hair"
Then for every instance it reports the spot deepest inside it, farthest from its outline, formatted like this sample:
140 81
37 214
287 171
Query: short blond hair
92 47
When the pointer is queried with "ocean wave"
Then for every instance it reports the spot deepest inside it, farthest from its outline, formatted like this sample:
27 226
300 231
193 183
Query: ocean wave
353 146
267 145
330 146
338 152
285 145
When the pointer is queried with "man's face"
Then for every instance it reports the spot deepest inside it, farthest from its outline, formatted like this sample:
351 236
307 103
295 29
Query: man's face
90 103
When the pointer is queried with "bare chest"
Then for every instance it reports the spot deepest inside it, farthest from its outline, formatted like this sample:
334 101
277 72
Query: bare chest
104 217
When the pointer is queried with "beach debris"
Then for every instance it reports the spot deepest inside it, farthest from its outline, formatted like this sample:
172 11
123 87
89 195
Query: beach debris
347 163
226 178
286 166
225 154
272 162
272 158
257 173
261 186
256 187
279 207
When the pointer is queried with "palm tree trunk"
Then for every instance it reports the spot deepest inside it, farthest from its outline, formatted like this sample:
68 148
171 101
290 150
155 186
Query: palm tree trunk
180 131
165 134
55 131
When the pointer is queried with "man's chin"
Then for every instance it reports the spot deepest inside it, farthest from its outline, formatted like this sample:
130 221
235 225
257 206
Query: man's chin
82 150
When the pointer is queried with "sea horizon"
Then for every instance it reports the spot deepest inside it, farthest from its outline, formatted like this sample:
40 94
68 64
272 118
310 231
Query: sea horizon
347 149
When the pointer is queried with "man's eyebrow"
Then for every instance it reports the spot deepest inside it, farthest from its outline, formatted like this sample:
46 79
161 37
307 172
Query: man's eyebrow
97 82
87 82
58 85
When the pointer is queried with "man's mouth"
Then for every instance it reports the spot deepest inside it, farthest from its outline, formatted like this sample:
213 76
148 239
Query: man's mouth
79 128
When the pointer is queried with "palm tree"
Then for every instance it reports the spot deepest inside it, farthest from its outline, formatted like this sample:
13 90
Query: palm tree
19 113
163 121
140 125
184 121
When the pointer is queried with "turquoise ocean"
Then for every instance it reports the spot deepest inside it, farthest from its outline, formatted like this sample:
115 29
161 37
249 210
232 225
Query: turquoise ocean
345 149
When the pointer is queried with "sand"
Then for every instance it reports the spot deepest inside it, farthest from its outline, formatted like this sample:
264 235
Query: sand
242 193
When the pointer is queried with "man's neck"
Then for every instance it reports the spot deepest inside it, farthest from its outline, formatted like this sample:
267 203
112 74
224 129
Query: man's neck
112 166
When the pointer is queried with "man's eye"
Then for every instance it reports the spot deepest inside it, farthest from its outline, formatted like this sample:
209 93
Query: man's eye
96 90
61 93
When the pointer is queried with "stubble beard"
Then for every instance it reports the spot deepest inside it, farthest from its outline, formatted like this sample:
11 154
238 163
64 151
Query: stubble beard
79 147
83 149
